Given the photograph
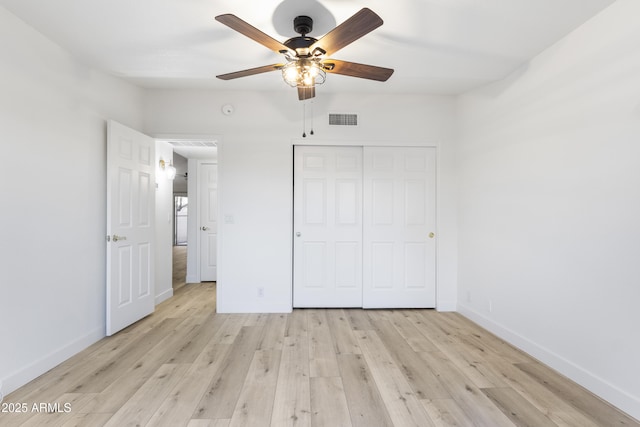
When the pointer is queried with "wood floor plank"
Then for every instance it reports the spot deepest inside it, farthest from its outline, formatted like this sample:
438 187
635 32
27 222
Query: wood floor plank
221 397
252 408
359 319
141 406
231 328
417 373
472 366
483 340
274 327
559 411
178 407
193 341
328 403
517 408
363 397
470 398
189 300
446 413
592 406
179 271
209 423
87 420
322 357
292 401
297 324
125 385
344 340
107 372
256 319
401 402
424 321
417 340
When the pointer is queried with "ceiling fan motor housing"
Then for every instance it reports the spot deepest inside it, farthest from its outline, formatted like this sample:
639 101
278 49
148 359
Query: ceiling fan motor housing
302 25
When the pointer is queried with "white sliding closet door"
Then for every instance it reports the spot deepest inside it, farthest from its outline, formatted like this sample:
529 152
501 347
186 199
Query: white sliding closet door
327 227
399 222
364 224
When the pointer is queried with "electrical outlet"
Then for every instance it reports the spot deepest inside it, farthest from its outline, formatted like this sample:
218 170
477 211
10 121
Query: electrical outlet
260 292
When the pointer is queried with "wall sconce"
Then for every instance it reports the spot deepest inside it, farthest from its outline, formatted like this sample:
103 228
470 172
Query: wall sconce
168 169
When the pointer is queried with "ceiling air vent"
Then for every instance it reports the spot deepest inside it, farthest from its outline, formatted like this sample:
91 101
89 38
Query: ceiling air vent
343 119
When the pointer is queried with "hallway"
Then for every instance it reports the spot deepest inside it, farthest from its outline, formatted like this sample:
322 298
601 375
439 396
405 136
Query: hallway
179 267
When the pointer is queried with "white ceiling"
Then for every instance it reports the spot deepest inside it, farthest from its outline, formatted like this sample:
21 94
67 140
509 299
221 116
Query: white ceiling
435 46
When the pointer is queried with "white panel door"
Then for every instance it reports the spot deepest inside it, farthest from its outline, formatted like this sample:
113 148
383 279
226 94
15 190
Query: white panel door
399 222
208 222
130 226
327 227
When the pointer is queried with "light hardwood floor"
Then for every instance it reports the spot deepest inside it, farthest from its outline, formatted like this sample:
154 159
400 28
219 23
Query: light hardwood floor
185 365
179 266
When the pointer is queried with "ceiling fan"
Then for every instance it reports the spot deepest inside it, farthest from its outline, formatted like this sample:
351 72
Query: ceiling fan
307 58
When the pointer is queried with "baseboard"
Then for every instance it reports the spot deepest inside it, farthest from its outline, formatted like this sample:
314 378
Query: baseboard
32 371
600 387
164 296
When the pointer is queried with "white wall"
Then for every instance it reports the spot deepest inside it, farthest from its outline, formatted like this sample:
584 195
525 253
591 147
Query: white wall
549 206
53 113
255 174
164 225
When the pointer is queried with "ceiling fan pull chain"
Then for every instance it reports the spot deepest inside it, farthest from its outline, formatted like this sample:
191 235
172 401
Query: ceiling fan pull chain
311 102
304 118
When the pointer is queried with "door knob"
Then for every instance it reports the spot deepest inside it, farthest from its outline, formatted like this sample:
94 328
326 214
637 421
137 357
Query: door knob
432 235
116 238
298 234
203 228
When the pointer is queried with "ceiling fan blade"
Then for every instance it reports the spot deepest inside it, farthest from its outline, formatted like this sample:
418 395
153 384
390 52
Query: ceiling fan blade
354 69
252 32
250 72
306 92
360 24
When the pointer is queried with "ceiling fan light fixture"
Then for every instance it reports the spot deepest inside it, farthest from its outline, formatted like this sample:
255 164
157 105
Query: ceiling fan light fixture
307 59
303 73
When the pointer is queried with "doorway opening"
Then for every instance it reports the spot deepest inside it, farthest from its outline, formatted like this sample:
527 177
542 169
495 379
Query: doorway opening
189 153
